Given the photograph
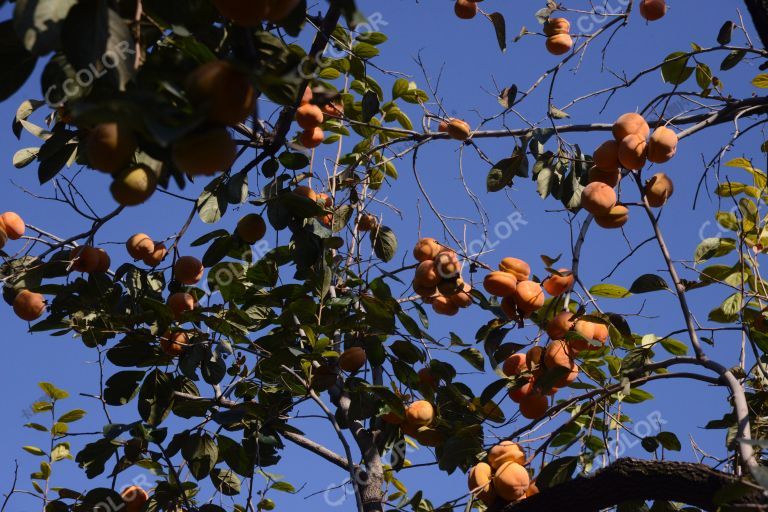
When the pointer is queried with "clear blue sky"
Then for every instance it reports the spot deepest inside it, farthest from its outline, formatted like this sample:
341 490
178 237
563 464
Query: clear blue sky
471 63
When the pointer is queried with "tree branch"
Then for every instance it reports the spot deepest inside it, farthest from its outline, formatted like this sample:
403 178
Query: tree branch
758 9
629 480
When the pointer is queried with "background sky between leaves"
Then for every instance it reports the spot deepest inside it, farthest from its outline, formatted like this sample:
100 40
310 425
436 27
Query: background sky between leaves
472 68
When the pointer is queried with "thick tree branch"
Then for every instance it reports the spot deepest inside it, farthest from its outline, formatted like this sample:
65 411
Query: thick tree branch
758 9
639 480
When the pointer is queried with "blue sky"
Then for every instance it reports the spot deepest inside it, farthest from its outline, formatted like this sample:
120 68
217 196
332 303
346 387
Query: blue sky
472 66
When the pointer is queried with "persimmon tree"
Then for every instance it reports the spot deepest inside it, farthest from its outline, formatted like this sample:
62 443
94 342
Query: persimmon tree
212 343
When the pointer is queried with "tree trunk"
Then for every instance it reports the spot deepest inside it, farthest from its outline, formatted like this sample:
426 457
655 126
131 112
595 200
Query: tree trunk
629 480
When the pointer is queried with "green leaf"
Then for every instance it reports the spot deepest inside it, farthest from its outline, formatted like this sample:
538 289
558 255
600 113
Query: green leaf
60 452
761 81
225 481
557 472
399 88
713 248
610 291
637 395
121 387
384 243
473 357
674 347
725 33
675 69
648 283
201 452
155 397
283 486
669 441
211 206
732 59
18 64
500 27
52 391
72 416
34 450
38 23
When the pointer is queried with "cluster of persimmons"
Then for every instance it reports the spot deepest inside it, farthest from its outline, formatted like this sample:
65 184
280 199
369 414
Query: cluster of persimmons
558 30
632 146
218 89
437 279
502 475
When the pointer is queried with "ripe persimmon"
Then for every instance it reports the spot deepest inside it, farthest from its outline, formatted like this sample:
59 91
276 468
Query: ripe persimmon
559 44
28 305
510 481
586 330
158 255
140 246
615 218
560 324
480 482
447 265
558 353
533 358
514 365
13 225
610 178
598 198
528 296
554 26
309 116
352 359
465 9
500 284
557 284
305 191
442 305
367 223
517 267
84 259
188 270
180 303
458 129
601 333
630 124
425 292
206 152
658 189
534 405
104 261
222 90
606 156
504 452
174 344
134 497
109 147
310 139
462 298
426 249
251 228
653 10
420 413
133 186
426 275
632 152
518 393
662 146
